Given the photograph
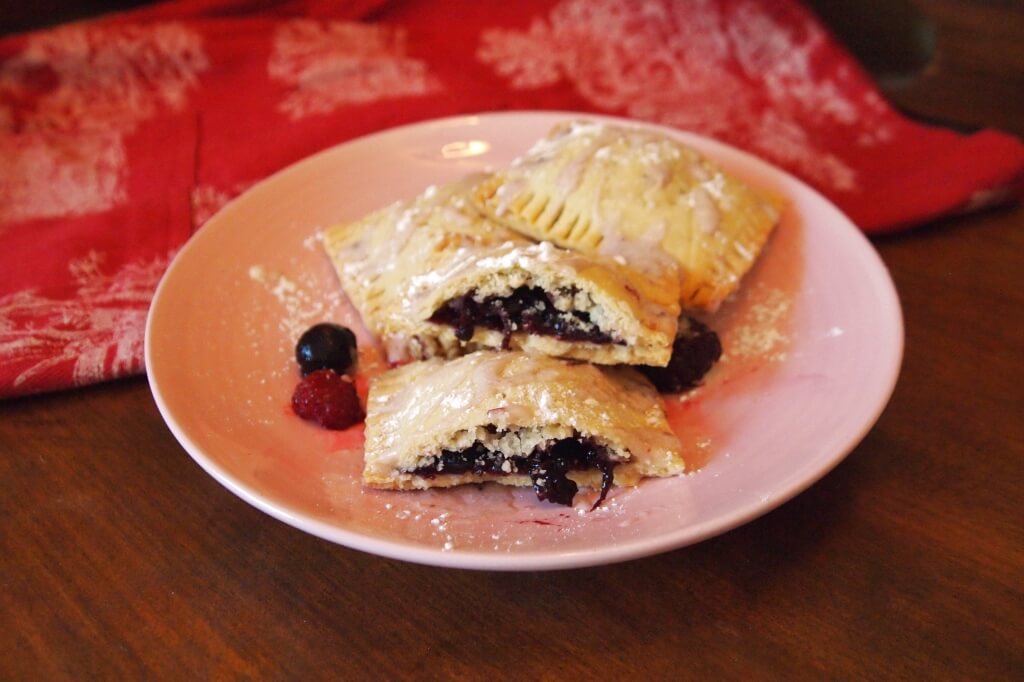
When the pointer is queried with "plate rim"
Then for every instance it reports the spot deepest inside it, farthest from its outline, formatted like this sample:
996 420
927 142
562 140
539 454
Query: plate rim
552 559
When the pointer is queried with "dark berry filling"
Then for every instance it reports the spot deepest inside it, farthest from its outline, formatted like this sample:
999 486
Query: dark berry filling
695 350
548 466
326 346
529 309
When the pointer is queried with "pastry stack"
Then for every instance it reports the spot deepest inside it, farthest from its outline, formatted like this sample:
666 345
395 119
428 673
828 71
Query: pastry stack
520 299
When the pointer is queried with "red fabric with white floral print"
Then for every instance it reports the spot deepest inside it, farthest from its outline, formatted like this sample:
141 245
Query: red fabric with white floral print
120 137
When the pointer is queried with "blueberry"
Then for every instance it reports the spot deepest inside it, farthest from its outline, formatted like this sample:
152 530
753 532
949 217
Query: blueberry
326 346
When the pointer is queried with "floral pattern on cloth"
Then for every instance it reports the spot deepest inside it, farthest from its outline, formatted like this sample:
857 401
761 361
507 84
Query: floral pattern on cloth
207 200
71 96
121 136
96 335
340 63
691 66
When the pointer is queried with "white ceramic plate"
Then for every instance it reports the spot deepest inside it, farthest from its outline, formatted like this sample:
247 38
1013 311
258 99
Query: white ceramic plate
813 344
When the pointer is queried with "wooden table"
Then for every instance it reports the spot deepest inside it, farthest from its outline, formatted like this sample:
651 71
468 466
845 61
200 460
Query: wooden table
120 558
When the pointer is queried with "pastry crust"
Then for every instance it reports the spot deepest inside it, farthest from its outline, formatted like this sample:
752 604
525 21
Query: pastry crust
510 403
401 264
630 191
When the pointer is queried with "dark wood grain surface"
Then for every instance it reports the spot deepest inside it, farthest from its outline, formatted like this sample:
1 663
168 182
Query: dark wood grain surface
121 559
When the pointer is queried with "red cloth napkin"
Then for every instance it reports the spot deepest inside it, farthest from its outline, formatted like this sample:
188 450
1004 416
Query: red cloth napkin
119 137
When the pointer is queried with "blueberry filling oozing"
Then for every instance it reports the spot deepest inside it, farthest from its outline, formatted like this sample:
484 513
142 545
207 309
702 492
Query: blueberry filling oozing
695 351
547 465
529 309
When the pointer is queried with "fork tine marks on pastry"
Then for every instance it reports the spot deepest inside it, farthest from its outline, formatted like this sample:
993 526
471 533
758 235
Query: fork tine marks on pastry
715 224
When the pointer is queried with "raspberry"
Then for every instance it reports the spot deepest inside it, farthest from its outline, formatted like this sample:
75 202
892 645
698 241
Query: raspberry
329 399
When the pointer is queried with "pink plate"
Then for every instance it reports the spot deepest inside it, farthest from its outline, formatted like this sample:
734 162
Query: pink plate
813 343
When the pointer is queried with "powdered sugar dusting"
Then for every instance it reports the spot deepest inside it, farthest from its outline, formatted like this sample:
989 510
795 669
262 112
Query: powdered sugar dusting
301 307
761 334
314 242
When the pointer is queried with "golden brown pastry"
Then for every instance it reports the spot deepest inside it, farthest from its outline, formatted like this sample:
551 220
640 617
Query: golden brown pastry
516 419
433 277
613 190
